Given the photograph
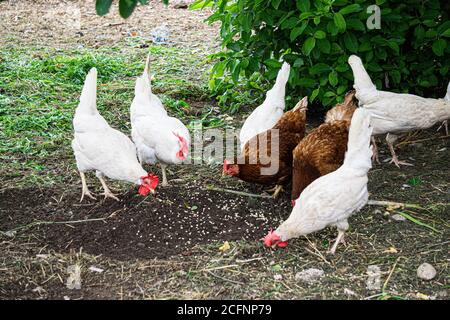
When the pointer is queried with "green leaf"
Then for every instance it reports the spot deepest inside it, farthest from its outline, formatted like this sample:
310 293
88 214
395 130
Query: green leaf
314 94
307 83
298 31
276 3
350 9
439 47
126 7
394 46
319 68
396 76
365 46
355 24
333 78
319 34
290 23
308 45
351 43
303 5
102 6
324 46
339 21
446 33
276 268
272 63
298 63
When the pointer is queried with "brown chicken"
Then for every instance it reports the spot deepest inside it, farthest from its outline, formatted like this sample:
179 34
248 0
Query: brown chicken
322 151
256 164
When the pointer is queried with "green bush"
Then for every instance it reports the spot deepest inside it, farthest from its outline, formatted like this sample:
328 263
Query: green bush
409 51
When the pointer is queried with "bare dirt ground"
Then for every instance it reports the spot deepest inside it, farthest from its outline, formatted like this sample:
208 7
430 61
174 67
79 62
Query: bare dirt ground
168 245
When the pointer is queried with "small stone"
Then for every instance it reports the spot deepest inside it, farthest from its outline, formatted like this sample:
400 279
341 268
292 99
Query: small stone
349 292
38 290
426 271
74 279
309 275
374 278
278 277
95 269
398 217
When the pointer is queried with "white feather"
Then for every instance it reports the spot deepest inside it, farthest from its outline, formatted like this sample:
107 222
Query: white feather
99 147
153 130
332 198
265 116
396 112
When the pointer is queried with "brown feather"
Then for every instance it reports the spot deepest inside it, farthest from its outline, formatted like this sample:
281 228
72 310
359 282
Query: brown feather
291 128
322 151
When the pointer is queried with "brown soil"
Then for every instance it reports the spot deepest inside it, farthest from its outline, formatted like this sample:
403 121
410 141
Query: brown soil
171 223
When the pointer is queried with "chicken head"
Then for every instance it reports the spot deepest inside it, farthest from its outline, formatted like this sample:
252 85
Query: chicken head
273 240
148 184
230 169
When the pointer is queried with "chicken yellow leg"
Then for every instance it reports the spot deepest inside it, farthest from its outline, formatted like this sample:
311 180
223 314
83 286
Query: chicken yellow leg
375 156
342 227
445 125
390 139
276 190
107 192
85 191
164 182
339 239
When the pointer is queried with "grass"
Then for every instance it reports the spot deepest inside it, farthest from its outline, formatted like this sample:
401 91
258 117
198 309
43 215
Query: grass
40 87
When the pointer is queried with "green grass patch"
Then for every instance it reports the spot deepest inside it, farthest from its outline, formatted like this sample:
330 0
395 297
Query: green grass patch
40 88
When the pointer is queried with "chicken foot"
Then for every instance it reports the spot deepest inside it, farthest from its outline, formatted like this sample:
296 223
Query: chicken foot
107 192
276 190
445 125
164 182
342 227
391 139
85 191
375 156
339 239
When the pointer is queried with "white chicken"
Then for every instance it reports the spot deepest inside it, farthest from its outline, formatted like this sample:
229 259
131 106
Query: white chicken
158 137
396 112
99 147
331 199
265 116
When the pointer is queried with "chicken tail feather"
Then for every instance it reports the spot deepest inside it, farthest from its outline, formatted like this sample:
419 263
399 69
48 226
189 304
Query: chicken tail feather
88 99
359 151
275 96
143 85
362 78
343 111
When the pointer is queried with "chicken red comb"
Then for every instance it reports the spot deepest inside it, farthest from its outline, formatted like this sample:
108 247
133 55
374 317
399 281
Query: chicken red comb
225 165
184 146
272 239
145 188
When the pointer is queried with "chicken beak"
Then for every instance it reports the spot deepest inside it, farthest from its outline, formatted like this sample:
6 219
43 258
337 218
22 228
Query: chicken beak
152 191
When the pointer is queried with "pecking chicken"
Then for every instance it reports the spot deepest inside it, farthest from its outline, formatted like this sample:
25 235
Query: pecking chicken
158 137
251 165
396 112
322 150
331 199
267 114
99 147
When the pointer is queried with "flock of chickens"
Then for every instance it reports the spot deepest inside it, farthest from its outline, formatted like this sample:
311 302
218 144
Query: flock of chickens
328 167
